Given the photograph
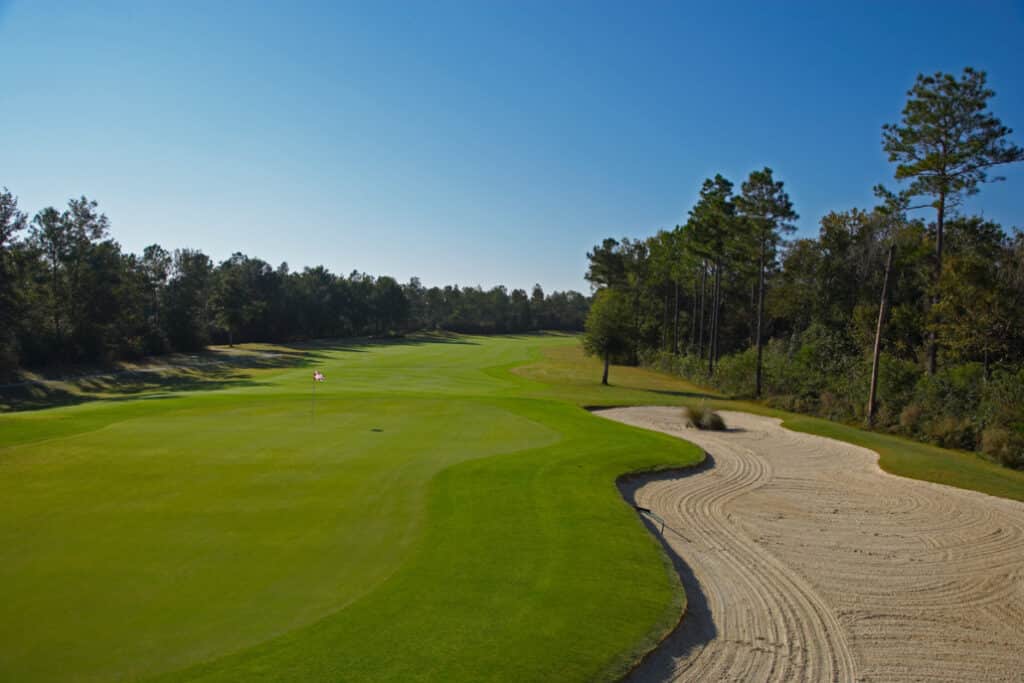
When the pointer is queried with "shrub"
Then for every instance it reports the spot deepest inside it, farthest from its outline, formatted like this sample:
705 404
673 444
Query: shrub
692 415
951 432
955 390
1002 398
820 372
1005 445
781 375
703 418
837 406
824 354
712 421
693 368
910 418
735 374
687 366
897 378
887 416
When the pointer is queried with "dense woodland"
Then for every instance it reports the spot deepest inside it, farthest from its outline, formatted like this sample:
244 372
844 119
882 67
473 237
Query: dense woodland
934 351
69 294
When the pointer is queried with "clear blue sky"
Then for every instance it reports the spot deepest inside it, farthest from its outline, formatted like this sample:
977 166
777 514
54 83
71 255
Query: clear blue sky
468 142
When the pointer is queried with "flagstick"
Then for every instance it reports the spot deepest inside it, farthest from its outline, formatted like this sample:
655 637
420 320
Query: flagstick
313 403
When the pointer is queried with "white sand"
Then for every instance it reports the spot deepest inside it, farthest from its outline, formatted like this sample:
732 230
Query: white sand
803 561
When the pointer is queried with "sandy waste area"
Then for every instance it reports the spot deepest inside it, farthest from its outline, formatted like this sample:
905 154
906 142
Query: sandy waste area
803 561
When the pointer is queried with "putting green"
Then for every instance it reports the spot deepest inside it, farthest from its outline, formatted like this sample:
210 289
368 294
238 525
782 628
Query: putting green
442 516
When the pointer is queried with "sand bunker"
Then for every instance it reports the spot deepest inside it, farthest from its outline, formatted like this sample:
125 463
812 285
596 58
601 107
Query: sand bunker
803 561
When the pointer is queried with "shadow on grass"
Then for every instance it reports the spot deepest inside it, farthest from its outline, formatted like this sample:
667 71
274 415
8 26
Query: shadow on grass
158 377
536 335
315 349
684 394
32 395
216 368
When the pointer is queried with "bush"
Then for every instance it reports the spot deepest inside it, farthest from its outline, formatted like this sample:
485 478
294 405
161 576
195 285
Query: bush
955 390
898 378
951 432
1002 398
816 373
794 404
886 416
712 421
1005 445
703 418
735 374
823 355
838 405
781 374
910 417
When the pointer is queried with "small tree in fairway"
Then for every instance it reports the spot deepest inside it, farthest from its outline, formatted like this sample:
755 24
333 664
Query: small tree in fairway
609 327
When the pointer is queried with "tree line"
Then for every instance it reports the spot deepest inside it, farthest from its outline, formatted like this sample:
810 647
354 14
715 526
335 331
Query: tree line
69 294
907 315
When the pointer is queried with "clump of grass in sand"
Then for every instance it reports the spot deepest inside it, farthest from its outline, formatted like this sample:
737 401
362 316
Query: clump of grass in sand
702 417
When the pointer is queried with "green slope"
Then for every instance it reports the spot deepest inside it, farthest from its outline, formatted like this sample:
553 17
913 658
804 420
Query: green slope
439 518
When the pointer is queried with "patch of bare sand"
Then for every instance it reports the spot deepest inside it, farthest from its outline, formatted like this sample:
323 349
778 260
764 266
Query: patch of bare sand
803 561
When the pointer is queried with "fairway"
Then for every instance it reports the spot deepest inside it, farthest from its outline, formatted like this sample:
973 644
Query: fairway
446 510
440 516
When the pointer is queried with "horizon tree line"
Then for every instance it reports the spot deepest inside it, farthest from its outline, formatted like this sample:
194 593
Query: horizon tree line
69 294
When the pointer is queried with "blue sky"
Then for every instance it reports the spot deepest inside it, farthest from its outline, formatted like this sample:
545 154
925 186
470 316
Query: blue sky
469 142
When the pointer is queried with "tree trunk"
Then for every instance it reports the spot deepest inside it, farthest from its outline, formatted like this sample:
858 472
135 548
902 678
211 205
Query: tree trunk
675 322
636 326
718 311
753 313
721 296
703 295
711 327
55 309
760 320
872 392
716 298
607 361
933 342
693 318
664 322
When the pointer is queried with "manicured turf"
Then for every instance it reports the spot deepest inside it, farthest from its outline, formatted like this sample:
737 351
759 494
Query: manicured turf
571 376
441 518
449 514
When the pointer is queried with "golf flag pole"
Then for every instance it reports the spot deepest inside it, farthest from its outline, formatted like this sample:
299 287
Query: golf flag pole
317 377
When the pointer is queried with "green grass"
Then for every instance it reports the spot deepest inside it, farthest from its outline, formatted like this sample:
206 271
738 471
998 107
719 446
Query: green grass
450 514
441 518
921 461
570 374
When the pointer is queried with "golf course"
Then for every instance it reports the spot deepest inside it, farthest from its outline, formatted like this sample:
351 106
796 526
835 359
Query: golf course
513 342
437 517
443 507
